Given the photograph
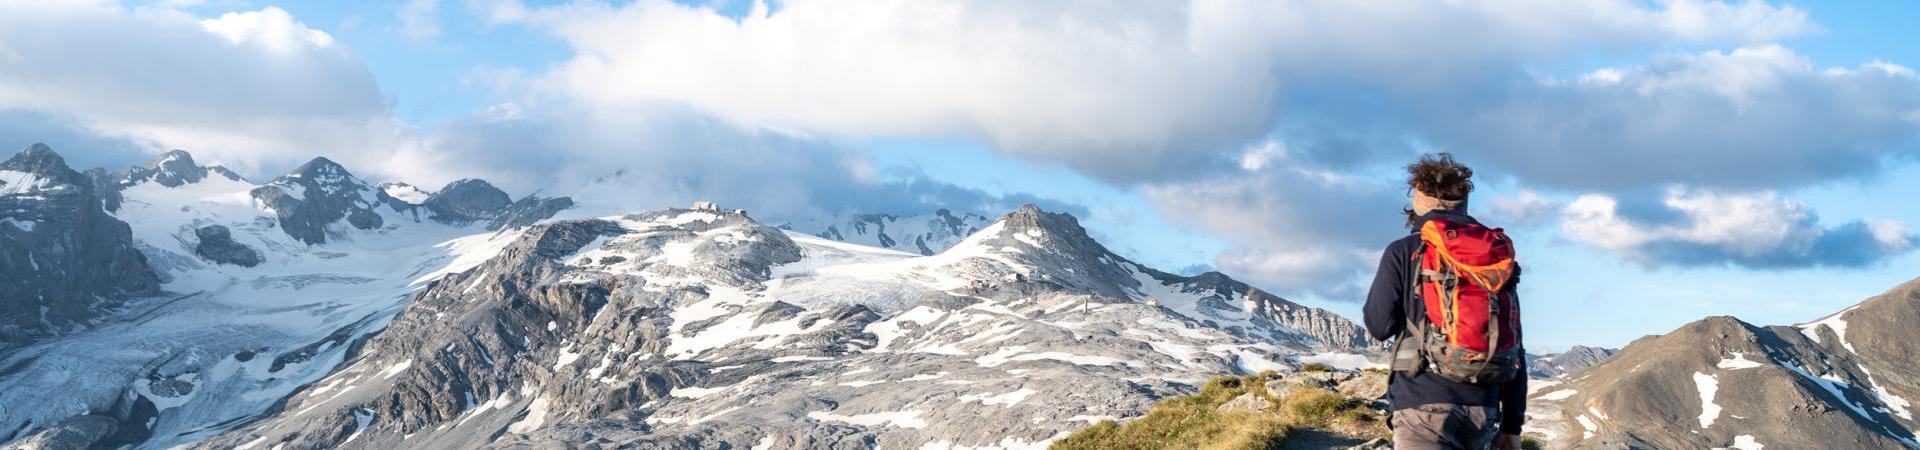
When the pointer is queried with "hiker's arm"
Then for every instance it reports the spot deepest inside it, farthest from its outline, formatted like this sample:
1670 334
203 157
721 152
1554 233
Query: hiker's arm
1383 310
1513 404
1513 396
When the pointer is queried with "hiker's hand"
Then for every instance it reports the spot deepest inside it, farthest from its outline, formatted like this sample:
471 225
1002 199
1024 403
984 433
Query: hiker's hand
1505 441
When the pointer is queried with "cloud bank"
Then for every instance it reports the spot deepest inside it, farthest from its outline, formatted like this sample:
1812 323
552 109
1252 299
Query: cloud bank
1699 228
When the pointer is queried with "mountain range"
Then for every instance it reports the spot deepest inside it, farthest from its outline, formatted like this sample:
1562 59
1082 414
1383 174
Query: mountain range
178 304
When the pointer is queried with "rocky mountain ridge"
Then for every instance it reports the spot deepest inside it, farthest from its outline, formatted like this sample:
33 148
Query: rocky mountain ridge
1842 381
704 329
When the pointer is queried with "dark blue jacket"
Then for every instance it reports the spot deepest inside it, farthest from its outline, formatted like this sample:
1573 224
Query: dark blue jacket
1388 305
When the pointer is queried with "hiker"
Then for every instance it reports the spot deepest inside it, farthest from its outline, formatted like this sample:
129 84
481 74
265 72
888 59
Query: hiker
1446 295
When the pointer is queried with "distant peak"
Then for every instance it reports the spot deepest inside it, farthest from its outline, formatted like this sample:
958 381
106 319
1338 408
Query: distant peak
1029 216
469 183
175 160
37 153
320 167
39 158
172 155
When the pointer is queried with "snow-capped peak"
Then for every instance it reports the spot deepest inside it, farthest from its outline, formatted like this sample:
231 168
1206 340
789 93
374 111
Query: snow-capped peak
924 234
404 193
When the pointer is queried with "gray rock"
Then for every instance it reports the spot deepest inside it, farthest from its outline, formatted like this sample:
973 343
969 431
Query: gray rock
528 211
315 195
1841 382
217 245
467 201
1248 402
65 261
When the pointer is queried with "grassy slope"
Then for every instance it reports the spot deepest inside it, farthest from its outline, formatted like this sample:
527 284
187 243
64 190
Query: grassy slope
1195 422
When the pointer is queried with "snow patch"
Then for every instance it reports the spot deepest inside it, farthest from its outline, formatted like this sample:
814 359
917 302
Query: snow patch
536 416
1343 361
1558 395
1738 361
902 419
1743 442
1708 385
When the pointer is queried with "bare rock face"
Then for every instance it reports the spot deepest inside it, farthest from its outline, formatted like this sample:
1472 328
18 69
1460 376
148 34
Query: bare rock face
63 259
1840 382
217 245
528 211
315 195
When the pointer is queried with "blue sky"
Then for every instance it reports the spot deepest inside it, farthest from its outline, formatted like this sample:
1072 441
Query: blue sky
1657 161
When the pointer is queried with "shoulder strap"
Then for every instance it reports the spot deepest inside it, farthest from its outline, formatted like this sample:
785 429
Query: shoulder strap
1410 358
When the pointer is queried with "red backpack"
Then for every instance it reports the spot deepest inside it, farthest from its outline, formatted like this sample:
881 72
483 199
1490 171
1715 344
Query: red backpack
1471 330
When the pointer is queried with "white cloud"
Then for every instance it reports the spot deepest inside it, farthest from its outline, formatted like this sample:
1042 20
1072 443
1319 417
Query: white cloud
271 27
1761 230
1291 227
1756 117
251 89
1134 91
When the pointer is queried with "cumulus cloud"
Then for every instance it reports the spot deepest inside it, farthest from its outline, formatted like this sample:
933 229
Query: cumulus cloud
1143 90
251 89
1702 228
1291 227
1751 118
651 156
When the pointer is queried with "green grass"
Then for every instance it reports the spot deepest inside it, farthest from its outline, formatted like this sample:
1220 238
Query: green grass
1194 422
1316 367
1189 422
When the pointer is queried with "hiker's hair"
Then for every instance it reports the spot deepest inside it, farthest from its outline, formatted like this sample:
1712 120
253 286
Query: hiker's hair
1439 176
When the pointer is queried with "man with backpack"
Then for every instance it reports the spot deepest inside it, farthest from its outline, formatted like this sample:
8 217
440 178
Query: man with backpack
1446 295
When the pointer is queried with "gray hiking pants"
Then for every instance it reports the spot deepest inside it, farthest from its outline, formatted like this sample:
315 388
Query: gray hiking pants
1444 426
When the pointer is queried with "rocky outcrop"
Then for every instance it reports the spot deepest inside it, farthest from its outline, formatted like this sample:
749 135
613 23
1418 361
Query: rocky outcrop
316 195
528 211
1840 382
1566 363
64 260
217 245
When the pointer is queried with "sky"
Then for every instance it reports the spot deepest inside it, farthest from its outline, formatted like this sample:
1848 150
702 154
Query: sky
1656 161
